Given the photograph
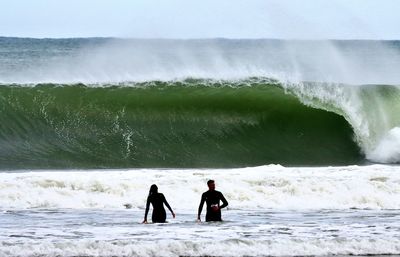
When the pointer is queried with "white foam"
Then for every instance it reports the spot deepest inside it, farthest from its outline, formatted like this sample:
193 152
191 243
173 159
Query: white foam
388 149
233 247
372 112
267 187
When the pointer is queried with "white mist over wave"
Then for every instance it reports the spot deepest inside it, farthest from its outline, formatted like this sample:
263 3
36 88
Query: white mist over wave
266 187
117 60
372 115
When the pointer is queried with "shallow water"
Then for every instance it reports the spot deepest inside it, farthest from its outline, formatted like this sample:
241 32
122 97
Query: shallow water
273 211
67 232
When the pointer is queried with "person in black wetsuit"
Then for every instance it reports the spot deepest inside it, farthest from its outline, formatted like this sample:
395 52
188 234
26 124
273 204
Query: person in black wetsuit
212 198
157 200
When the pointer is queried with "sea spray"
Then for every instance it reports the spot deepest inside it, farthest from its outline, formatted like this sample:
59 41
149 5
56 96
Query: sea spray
92 61
372 111
357 80
388 148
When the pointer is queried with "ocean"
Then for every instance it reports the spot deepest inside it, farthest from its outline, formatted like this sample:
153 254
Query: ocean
302 137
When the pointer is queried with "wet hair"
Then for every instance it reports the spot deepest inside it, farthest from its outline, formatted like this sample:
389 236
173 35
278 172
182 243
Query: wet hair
153 189
210 182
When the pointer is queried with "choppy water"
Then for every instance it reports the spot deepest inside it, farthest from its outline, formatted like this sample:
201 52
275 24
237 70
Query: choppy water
113 104
273 211
243 233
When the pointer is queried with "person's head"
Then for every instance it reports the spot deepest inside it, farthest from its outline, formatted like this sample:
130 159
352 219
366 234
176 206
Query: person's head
211 184
153 189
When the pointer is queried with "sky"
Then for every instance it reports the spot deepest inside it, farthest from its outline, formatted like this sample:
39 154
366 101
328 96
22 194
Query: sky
285 19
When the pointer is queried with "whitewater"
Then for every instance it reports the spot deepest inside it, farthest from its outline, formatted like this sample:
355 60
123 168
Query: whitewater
273 211
302 138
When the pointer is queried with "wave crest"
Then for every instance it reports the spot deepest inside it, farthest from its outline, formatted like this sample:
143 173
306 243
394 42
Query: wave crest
193 123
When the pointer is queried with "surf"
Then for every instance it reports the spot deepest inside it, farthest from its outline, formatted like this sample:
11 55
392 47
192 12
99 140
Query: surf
197 103
190 123
271 187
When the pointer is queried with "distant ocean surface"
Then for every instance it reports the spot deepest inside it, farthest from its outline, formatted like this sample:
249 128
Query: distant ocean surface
302 137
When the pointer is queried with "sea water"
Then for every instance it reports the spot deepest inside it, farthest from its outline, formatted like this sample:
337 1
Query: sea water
291 132
272 210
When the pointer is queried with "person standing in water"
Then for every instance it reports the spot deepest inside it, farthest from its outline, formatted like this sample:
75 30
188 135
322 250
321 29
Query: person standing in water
212 198
157 200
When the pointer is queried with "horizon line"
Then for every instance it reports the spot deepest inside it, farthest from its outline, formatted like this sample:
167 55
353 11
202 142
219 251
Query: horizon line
199 38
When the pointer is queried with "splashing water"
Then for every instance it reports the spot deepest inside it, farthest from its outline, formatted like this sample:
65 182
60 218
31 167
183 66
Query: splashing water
355 79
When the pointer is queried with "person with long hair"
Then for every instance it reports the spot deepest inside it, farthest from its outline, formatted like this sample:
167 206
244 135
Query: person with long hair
157 200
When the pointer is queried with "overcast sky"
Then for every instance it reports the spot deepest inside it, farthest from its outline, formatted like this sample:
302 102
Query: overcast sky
294 19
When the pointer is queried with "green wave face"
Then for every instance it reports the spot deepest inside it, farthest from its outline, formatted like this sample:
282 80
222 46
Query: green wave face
164 124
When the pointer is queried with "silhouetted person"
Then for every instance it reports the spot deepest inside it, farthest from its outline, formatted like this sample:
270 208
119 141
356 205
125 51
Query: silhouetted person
157 200
212 199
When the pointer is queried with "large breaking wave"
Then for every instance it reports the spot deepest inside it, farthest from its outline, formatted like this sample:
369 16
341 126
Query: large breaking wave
192 123
197 123
91 103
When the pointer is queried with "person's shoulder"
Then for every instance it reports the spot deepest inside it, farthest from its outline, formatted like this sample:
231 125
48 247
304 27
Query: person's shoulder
218 192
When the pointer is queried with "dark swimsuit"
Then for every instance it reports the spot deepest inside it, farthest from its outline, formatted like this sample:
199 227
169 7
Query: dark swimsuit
212 198
157 200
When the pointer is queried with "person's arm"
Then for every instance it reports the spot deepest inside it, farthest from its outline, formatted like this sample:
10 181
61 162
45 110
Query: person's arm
203 199
224 202
169 207
147 210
